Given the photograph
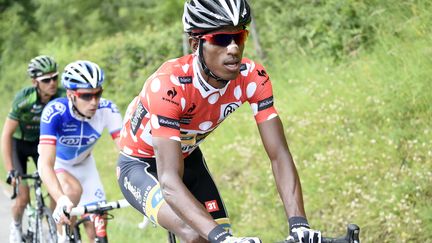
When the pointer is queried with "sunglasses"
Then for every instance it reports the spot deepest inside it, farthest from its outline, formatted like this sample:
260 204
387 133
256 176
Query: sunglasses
47 80
225 38
88 96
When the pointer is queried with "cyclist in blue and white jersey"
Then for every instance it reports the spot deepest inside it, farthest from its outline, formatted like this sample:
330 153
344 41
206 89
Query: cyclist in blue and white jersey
70 128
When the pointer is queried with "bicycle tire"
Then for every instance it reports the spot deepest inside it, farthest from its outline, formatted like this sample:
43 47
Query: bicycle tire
46 231
28 234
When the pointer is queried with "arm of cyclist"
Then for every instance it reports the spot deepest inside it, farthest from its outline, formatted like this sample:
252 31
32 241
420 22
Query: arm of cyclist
47 155
170 166
286 177
6 147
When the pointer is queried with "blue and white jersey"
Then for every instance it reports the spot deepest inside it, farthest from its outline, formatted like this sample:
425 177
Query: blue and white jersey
75 136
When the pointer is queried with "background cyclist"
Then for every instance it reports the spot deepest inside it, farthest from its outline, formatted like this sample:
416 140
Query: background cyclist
70 128
20 136
162 171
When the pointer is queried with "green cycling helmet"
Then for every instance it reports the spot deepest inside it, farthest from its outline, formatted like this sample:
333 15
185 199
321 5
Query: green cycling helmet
41 65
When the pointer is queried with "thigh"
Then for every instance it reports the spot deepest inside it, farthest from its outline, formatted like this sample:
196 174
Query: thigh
21 151
138 182
200 182
70 185
88 178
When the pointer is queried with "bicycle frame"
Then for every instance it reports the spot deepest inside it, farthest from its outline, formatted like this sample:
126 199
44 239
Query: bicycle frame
41 210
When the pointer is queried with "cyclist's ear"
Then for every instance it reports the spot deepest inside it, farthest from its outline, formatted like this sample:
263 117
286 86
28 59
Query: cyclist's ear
193 43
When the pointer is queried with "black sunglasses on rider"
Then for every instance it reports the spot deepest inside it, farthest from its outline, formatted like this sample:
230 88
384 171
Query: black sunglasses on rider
225 38
88 96
47 80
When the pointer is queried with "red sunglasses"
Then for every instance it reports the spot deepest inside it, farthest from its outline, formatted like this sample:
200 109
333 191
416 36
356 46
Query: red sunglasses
225 38
88 96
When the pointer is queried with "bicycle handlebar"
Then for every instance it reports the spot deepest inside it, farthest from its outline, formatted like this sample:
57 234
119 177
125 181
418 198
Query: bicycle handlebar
100 208
352 236
34 176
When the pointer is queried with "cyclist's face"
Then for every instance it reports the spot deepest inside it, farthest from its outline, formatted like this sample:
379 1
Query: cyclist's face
86 100
47 84
224 61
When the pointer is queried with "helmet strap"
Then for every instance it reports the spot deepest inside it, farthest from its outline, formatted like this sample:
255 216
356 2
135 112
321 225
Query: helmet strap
204 65
75 109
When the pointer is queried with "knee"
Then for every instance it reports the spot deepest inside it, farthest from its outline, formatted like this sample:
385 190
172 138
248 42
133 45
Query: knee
73 191
190 236
21 201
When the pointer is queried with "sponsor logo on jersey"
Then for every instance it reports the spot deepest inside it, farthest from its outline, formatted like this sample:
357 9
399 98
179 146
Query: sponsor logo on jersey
135 191
262 73
103 103
172 93
99 193
227 109
137 117
187 118
36 109
212 206
52 110
78 140
192 108
168 122
185 80
266 103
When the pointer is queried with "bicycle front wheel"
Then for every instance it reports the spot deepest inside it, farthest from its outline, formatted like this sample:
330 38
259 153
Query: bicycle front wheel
46 231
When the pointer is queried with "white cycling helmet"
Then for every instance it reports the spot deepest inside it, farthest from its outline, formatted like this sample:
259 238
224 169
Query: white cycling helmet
82 75
205 15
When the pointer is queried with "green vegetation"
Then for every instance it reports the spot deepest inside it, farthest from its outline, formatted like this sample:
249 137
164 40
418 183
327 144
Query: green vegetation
352 82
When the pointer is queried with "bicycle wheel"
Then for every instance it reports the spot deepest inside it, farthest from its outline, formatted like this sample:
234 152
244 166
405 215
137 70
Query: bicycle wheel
27 228
46 227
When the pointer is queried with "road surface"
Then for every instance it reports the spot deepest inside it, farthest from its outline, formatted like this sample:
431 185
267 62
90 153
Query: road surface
5 212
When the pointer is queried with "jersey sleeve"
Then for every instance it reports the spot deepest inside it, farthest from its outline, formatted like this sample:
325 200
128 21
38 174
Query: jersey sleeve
50 122
18 103
164 98
260 93
112 118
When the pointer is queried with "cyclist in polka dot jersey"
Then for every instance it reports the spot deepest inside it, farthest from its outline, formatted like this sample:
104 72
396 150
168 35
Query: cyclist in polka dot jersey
179 104
161 170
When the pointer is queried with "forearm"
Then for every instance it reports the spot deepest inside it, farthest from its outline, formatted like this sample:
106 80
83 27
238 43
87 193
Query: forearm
288 185
46 161
184 204
49 178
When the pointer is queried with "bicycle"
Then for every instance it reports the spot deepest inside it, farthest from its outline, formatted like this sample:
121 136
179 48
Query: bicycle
97 216
352 236
39 225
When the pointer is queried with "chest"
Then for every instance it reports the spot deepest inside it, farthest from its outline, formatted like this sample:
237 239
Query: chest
204 113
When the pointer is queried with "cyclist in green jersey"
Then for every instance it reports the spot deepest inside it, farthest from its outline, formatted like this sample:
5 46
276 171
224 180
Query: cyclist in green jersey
20 136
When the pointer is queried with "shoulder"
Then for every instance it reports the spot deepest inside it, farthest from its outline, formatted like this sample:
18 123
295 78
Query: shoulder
25 96
175 67
53 109
108 104
250 68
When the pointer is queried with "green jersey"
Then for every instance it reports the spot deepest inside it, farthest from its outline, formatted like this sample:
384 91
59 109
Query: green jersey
27 109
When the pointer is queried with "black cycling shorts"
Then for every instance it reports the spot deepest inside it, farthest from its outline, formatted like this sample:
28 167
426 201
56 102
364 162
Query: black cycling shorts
137 178
21 152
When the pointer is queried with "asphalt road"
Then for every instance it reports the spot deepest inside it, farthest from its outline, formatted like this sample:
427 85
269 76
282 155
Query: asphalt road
5 212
